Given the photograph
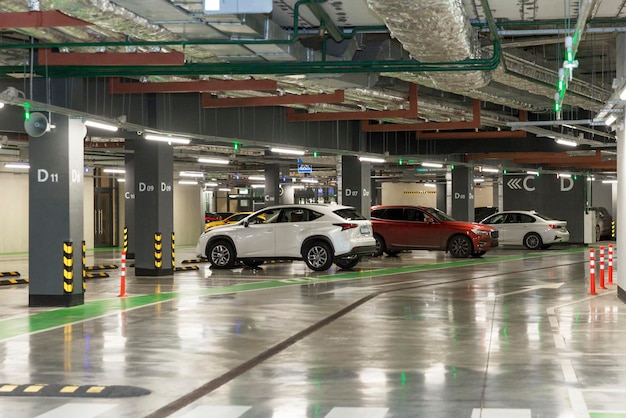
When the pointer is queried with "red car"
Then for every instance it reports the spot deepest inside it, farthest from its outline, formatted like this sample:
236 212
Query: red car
398 228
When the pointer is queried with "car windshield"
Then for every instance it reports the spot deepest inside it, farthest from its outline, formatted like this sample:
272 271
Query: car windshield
349 214
437 214
237 217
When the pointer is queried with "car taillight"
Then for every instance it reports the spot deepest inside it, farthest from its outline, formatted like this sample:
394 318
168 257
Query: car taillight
346 225
551 226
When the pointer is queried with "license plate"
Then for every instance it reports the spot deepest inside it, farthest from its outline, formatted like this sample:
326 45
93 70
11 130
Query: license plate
365 230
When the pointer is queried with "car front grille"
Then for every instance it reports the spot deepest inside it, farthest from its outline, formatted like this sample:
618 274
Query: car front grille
494 234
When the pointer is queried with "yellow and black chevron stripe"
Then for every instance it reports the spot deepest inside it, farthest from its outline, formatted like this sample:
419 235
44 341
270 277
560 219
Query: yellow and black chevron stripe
82 391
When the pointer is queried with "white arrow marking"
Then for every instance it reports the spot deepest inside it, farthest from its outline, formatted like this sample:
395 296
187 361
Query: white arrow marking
530 288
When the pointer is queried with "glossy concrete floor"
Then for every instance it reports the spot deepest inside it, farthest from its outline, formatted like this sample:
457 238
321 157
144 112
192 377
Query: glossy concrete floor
514 334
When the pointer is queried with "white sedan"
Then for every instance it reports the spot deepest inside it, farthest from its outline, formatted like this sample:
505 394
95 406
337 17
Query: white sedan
528 228
318 234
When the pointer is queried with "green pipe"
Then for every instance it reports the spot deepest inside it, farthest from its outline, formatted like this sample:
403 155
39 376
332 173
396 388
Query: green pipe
552 22
251 68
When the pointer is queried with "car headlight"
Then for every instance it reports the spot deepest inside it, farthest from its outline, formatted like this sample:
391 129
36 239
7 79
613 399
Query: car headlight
478 231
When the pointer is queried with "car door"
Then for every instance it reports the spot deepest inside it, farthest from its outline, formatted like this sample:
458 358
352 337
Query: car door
392 227
293 227
516 226
258 238
421 230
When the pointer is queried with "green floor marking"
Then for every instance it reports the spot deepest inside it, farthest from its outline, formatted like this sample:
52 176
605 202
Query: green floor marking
42 321
607 415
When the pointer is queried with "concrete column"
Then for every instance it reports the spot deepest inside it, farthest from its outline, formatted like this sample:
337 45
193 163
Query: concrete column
56 214
129 196
621 209
463 193
441 193
356 183
154 208
272 184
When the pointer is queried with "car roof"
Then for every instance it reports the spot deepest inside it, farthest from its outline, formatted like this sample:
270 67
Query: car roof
331 206
399 206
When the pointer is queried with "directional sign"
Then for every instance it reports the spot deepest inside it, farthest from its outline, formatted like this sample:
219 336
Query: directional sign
305 168
514 184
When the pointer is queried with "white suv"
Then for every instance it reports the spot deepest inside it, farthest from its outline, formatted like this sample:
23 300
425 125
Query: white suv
319 234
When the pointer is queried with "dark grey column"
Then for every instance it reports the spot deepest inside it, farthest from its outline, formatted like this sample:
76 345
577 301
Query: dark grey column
441 193
463 193
356 184
154 208
272 183
56 214
129 196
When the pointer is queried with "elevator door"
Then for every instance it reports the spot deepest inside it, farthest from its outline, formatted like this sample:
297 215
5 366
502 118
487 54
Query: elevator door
103 218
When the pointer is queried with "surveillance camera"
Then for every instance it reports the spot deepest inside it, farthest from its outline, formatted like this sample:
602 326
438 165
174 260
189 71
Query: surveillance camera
139 133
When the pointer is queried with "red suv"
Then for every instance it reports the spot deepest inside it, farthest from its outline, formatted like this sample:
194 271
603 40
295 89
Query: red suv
398 228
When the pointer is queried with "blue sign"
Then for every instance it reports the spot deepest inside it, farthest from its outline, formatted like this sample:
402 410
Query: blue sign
305 168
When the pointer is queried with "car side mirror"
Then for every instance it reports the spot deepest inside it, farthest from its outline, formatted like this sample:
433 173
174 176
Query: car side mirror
246 223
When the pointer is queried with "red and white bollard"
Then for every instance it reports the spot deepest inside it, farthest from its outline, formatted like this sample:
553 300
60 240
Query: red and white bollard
123 276
592 273
602 286
610 281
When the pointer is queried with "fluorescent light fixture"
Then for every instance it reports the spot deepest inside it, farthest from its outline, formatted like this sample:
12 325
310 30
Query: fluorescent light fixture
24 166
213 161
211 184
287 151
566 175
223 189
258 186
195 174
371 159
308 180
114 170
256 178
432 165
610 120
121 180
534 173
188 182
622 95
168 139
101 125
490 170
609 181
430 185
479 180
566 142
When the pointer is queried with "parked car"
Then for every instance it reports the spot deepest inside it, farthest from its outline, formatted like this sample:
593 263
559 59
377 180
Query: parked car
398 228
319 234
529 228
232 219
211 216
604 223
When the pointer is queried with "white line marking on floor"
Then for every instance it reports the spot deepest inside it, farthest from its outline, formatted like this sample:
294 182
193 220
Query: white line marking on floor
342 412
569 374
78 410
554 323
227 411
559 342
500 412
578 403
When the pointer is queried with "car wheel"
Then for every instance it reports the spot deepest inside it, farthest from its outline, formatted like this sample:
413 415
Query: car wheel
479 254
221 254
460 246
380 245
318 256
252 263
598 235
533 241
347 263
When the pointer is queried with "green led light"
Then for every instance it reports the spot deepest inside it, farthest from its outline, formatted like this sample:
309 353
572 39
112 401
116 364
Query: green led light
236 145
557 107
403 379
504 171
569 56
399 161
26 111
315 154
561 86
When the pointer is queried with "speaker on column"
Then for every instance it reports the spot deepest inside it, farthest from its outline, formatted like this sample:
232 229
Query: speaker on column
36 125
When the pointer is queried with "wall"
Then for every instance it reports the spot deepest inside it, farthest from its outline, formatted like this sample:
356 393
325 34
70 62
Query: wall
188 213
483 195
416 194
